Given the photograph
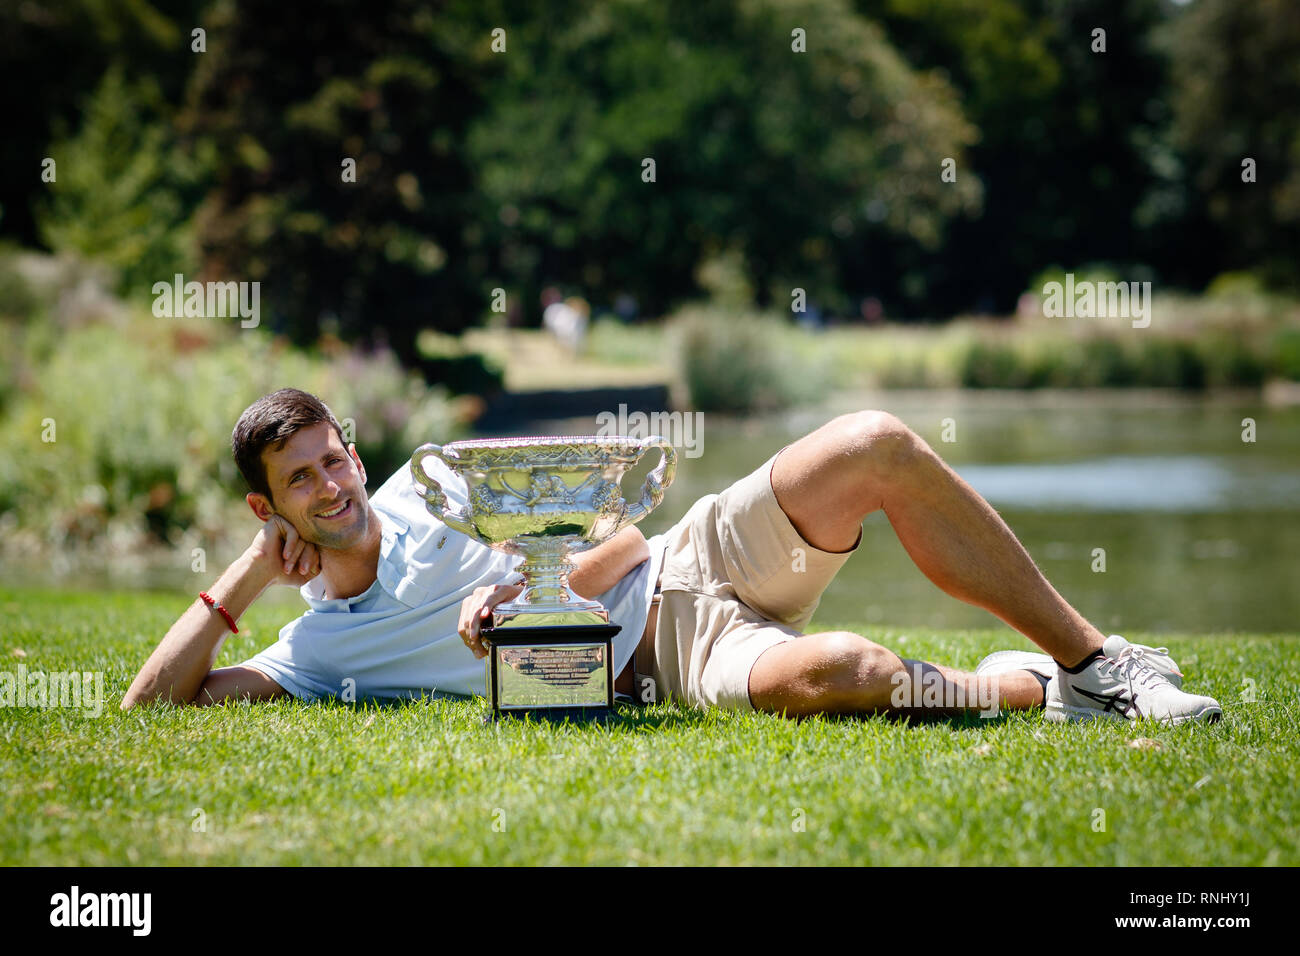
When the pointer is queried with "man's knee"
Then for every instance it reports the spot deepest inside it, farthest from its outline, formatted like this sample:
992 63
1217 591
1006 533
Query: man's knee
881 442
848 665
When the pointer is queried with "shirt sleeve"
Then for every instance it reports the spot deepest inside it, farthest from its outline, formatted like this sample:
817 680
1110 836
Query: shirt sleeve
288 666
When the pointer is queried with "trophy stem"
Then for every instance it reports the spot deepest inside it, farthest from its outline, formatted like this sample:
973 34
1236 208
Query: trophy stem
547 594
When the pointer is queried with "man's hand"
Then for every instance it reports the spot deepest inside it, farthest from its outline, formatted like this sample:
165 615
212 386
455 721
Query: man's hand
282 556
477 609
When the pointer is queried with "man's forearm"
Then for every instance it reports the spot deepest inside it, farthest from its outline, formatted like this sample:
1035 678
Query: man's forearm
178 666
603 566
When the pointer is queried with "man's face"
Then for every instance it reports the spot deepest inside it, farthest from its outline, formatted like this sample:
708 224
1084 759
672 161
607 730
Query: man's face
319 487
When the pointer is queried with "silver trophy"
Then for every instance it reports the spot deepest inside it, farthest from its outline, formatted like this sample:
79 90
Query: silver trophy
545 499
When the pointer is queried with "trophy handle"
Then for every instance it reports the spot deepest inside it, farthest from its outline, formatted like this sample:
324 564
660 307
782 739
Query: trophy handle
435 499
656 483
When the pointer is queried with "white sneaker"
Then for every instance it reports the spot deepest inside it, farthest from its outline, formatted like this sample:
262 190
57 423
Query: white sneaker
1002 662
1157 657
1123 684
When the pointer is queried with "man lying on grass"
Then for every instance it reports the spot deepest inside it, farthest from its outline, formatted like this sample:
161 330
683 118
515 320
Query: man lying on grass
714 609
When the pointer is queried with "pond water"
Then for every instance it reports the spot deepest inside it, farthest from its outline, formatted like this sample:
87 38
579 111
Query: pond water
1200 530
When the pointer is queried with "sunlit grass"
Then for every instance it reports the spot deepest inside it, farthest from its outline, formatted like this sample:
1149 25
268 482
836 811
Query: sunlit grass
430 782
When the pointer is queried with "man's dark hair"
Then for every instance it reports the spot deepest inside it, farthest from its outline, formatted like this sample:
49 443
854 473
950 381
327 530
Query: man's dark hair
272 420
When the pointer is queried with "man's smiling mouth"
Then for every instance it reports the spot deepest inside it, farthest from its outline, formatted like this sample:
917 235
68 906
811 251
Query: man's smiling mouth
337 512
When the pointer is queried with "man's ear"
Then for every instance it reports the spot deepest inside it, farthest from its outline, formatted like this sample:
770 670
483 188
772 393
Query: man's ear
261 505
352 450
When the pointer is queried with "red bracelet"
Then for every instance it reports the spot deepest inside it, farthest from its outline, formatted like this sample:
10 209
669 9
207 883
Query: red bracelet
207 599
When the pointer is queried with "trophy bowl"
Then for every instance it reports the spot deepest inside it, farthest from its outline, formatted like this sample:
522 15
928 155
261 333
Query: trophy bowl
550 651
545 498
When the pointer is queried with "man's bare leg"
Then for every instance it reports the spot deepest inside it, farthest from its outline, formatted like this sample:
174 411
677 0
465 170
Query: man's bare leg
842 672
830 480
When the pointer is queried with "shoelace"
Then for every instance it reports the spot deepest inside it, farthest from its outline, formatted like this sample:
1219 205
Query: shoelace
1131 666
1140 651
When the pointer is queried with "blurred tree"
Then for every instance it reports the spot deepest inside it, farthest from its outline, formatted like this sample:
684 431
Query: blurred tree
1236 71
521 166
1065 145
288 99
775 129
800 142
53 55
126 189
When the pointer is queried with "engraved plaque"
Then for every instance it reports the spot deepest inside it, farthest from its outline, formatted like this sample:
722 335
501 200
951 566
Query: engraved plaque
552 675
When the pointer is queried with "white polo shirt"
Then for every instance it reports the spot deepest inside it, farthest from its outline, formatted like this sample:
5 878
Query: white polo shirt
399 638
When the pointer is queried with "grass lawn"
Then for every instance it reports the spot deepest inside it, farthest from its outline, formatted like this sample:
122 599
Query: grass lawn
614 356
429 782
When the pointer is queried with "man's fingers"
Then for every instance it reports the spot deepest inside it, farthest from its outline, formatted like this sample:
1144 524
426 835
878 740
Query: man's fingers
476 613
310 558
290 539
482 614
500 594
473 612
477 644
467 610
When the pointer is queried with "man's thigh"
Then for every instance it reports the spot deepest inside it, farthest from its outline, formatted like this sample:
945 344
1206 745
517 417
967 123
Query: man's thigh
706 645
828 481
737 579
768 563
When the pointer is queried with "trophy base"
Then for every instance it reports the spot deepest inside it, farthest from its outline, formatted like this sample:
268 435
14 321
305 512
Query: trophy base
556 672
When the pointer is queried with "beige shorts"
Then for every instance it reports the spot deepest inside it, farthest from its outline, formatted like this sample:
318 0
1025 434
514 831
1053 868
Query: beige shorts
737 579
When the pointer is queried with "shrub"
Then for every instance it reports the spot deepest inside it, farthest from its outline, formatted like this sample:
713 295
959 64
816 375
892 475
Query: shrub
1284 353
141 416
1104 363
1169 363
1230 360
731 361
992 364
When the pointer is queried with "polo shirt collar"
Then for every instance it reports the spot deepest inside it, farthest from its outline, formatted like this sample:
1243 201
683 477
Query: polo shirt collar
388 576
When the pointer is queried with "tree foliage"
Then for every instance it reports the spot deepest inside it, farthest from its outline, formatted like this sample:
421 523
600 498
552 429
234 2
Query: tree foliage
506 144
1236 70
758 149
125 190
